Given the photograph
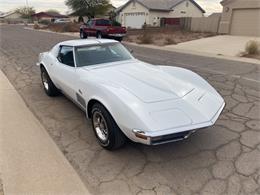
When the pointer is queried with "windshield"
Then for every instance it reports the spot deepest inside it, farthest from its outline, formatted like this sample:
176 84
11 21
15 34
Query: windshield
99 54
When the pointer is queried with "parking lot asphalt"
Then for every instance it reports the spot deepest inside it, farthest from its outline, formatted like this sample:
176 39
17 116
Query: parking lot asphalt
223 159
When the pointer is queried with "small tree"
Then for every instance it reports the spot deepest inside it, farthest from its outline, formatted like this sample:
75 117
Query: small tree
80 19
26 12
89 8
52 11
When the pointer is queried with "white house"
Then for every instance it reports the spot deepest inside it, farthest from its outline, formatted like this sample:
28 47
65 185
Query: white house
137 12
11 17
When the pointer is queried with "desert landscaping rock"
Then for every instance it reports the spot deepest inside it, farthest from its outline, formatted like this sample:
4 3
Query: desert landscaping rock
223 159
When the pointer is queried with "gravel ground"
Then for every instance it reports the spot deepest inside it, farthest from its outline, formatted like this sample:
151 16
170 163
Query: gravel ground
223 159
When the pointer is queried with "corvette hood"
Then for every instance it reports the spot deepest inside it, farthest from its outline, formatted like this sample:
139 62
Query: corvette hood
148 83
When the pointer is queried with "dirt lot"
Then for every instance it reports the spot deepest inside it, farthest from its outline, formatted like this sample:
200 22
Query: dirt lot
161 37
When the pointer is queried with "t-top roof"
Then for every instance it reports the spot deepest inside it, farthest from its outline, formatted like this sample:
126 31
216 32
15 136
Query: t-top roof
81 42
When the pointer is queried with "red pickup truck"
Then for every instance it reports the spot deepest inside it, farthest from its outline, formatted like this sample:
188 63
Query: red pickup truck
102 28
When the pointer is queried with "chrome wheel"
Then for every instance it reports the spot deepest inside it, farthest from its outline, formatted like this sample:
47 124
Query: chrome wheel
100 126
45 81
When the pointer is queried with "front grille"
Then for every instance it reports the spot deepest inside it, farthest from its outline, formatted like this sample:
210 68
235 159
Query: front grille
170 138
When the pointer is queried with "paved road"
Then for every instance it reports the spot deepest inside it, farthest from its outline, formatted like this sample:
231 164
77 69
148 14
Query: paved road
224 159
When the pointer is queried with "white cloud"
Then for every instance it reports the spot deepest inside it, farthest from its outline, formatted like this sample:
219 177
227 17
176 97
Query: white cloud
41 5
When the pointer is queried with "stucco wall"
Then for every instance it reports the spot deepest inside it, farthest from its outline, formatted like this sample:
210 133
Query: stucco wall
229 6
153 17
132 9
13 16
181 10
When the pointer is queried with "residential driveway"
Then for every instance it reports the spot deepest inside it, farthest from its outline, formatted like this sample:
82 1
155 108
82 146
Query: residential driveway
226 45
223 159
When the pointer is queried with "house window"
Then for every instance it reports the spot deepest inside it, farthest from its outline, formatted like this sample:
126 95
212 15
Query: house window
183 12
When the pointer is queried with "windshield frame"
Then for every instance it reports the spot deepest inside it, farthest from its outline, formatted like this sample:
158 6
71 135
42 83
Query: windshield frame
100 44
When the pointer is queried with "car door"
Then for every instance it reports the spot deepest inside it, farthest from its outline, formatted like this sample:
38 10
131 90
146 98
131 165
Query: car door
90 28
66 71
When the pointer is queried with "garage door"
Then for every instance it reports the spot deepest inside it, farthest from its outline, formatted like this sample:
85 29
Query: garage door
245 22
134 20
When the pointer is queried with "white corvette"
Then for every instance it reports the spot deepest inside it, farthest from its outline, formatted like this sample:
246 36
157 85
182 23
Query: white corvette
125 97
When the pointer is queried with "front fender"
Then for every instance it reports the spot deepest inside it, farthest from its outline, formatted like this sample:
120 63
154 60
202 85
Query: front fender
120 104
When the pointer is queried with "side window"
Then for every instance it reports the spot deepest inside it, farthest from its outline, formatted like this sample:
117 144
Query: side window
65 56
90 23
98 22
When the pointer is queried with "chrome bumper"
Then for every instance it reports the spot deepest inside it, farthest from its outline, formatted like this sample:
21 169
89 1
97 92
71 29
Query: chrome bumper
157 140
117 35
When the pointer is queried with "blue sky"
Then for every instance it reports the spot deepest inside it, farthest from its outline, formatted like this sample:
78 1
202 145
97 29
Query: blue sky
41 5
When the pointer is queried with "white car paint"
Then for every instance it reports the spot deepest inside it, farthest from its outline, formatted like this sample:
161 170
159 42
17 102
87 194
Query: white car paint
145 99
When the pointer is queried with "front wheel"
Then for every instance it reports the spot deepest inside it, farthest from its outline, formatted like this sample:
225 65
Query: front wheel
106 130
49 87
82 34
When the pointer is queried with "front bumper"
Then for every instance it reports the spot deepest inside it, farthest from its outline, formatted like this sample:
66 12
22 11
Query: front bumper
163 139
117 35
172 135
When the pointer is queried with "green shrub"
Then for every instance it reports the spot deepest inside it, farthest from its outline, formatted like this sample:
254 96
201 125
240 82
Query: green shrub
252 47
116 23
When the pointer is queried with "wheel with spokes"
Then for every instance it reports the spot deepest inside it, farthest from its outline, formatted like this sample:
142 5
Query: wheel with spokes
106 130
49 87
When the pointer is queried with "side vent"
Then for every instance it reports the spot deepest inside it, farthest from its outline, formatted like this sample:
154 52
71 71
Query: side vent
81 100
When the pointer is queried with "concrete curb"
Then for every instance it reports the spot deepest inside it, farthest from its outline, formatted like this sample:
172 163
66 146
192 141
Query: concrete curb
31 163
239 59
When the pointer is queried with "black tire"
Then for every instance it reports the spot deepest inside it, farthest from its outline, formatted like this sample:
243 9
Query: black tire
115 138
119 39
99 35
49 87
82 34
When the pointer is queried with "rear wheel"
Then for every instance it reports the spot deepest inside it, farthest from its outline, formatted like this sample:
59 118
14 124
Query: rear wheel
82 34
99 35
106 130
49 87
119 39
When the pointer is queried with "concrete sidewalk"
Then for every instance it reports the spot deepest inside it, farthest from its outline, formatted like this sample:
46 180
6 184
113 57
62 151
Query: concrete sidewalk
30 162
221 47
226 45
